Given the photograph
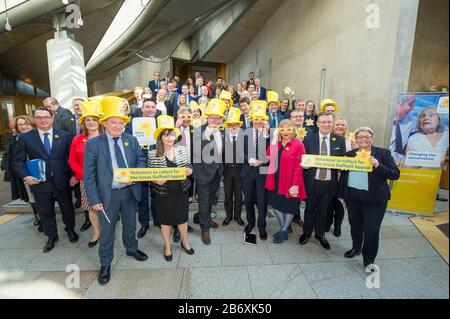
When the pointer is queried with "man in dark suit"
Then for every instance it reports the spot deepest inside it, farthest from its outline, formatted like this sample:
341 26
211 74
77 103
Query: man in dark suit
148 110
207 163
244 105
167 77
275 116
253 172
261 90
52 146
321 184
62 116
155 84
103 154
251 78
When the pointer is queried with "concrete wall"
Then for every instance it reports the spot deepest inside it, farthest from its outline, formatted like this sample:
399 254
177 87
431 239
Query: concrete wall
365 68
138 74
431 54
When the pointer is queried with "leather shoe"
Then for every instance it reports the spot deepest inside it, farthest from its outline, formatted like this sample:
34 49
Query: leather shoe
93 243
190 229
213 224
176 236
206 239
50 243
167 257
86 225
248 228
138 255
104 275
40 228
263 234
77 204
73 236
36 222
352 253
141 233
227 221
324 243
189 252
337 232
239 221
303 240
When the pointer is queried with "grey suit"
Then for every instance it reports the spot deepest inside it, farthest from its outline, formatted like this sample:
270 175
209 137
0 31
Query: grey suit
98 181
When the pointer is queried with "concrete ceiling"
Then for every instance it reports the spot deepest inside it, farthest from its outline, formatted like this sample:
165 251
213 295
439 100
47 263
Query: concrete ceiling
23 51
241 34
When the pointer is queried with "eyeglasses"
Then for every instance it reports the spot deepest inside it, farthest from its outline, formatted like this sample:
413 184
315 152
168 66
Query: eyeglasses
40 118
296 117
259 120
185 117
360 138
286 130
24 124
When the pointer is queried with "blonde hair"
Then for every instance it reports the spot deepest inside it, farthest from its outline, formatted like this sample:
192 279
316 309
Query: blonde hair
290 124
347 133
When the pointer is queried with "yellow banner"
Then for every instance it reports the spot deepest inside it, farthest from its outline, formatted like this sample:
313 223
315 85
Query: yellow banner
337 162
415 191
127 175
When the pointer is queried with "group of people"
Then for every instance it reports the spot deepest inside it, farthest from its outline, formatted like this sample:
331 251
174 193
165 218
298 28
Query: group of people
255 146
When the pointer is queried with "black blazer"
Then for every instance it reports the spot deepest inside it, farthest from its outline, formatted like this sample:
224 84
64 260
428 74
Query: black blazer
228 160
379 191
204 171
62 120
152 85
249 153
312 146
243 123
31 147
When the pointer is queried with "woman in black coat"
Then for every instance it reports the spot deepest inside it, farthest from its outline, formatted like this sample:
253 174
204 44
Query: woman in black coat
22 124
366 195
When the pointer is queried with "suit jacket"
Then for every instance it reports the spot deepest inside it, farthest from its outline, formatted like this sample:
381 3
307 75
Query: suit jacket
172 100
98 170
249 152
379 190
228 160
263 93
279 116
204 170
30 146
62 121
244 127
312 146
152 85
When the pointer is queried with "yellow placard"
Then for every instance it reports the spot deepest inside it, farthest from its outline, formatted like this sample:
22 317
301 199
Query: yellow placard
128 175
415 191
337 162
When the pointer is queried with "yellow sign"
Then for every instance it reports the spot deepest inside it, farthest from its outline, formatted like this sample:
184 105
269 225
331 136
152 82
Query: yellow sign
415 191
128 175
337 162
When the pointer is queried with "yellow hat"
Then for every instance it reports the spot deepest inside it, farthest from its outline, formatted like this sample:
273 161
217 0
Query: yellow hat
165 122
114 106
90 108
216 107
327 102
225 95
259 110
97 98
272 96
234 117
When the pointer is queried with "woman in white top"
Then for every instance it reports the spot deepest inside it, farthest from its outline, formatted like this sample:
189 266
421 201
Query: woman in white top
161 101
431 136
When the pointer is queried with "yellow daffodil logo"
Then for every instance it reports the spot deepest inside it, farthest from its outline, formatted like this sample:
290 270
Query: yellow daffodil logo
122 176
56 136
84 140
123 108
309 122
301 133
146 127
72 119
288 91
363 154
287 149
333 139
125 144
445 102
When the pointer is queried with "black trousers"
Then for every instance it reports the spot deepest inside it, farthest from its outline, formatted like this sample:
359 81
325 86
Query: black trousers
45 206
255 192
365 222
206 192
77 192
232 183
335 214
316 208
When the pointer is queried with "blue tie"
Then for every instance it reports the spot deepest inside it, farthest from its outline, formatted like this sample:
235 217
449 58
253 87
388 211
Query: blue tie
119 157
47 146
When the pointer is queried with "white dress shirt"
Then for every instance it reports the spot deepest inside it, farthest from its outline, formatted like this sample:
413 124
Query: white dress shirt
50 136
328 178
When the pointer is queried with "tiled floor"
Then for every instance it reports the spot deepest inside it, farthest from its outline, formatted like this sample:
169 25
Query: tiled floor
409 266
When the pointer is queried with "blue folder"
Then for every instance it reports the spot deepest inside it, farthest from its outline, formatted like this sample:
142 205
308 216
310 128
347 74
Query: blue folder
36 168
